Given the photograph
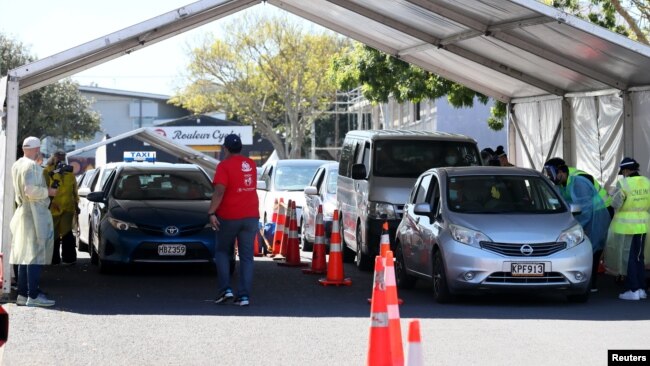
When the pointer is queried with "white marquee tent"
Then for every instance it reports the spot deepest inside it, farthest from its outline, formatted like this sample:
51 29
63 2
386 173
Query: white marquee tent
574 89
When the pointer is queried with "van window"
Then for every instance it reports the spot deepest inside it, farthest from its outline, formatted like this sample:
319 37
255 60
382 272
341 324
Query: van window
346 158
409 158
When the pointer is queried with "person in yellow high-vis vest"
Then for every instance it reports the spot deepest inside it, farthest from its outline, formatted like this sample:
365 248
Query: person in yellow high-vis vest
630 223
64 208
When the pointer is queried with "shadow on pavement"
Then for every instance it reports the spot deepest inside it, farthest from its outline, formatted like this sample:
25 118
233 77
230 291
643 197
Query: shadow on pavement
287 292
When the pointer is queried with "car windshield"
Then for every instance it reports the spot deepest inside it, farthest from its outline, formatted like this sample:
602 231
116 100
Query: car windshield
331 181
409 158
171 186
502 194
294 177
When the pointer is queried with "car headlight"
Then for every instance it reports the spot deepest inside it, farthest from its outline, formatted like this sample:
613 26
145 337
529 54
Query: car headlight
573 236
121 225
328 210
381 210
468 236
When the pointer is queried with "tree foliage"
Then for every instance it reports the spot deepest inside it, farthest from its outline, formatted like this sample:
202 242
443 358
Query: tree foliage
382 76
630 18
57 111
268 72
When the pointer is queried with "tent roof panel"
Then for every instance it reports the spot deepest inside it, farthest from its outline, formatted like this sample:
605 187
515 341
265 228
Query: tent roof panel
515 48
503 48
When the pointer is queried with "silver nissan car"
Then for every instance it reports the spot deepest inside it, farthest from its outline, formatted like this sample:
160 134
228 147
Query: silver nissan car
478 229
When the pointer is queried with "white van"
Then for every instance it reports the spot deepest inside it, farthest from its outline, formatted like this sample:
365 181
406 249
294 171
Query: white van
377 171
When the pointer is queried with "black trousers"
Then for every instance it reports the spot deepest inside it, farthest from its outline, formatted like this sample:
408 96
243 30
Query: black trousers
65 249
635 278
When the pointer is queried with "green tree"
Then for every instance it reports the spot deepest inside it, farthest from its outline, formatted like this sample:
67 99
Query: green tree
57 111
268 72
382 76
630 18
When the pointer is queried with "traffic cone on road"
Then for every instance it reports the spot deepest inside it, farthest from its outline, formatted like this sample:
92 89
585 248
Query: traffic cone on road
318 260
256 246
379 345
335 264
384 247
292 255
392 303
384 242
279 228
285 236
415 345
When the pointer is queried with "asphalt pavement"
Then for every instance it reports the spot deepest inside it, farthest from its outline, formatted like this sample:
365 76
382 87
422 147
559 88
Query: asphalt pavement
152 315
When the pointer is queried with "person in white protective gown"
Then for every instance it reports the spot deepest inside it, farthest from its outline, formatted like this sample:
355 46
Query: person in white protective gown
31 225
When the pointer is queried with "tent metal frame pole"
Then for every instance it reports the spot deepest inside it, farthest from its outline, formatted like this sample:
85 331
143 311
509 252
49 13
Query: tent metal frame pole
9 135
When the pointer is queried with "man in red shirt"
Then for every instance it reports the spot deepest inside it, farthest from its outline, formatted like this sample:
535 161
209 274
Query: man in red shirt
234 215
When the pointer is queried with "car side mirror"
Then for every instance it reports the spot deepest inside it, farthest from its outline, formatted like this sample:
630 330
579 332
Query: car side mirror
311 191
575 209
422 209
359 171
96 197
261 185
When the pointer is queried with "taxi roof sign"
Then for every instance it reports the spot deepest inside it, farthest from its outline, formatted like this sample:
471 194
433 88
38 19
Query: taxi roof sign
140 156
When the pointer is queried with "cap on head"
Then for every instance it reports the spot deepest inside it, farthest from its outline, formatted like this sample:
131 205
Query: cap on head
31 142
628 163
60 153
233 143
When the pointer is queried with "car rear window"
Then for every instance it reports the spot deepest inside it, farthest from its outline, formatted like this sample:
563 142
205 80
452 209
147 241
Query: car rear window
502 194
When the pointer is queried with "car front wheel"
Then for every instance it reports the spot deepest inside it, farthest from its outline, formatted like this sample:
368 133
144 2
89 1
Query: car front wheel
307 246
440 288
403 279
362 260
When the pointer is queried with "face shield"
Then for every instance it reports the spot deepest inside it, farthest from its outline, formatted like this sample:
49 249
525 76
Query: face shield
551 172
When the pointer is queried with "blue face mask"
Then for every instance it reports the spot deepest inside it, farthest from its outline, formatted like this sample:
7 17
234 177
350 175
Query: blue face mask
453 194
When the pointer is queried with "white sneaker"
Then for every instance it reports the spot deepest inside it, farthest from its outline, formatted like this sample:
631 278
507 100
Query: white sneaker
40 301
642 294
21 300
629 295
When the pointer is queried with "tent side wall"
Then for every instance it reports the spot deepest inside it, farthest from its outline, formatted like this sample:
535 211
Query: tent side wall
591 131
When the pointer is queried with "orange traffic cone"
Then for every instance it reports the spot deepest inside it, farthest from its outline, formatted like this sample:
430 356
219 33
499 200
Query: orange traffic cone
256 246
279 229
285 236
293 247
384 242
384 247
318 260
392 303
415 345
335 264
379 348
